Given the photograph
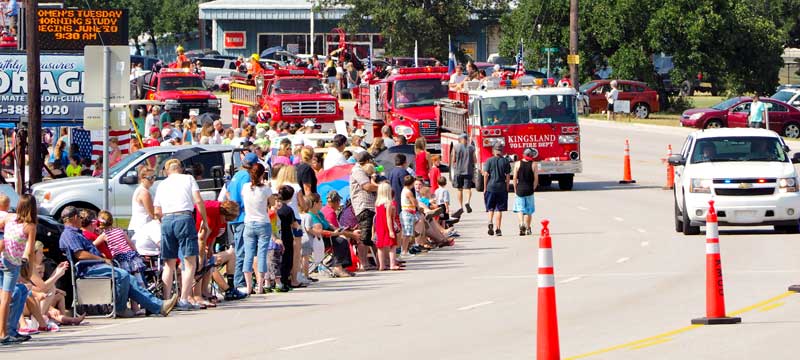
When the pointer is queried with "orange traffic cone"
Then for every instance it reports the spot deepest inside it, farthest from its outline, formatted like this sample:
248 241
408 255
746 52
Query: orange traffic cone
715 296
626 172
547 320
670 184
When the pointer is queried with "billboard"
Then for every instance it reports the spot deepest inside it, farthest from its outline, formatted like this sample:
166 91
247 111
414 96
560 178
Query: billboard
61 81
72 29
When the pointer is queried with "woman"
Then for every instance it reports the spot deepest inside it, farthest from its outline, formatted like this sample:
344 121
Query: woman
352 76
257 227
60 157
377 147
317 161
142 210
337 240
206 134
287 175
189 129
284 153
611 97
114 152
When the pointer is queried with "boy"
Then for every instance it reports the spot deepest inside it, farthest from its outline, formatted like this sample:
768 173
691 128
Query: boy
434 173
288 223
408 215
74 168
441 195
274 249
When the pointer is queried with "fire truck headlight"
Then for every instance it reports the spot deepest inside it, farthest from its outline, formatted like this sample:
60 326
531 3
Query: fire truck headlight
330 108
403 130
286 108
567 139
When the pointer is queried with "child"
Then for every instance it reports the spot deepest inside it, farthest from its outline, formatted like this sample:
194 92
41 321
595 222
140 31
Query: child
408 215
87 167
288 225
386 240
312 233
441 194
122 249
98 167
5 205
274 250
435 173
74 167
17 245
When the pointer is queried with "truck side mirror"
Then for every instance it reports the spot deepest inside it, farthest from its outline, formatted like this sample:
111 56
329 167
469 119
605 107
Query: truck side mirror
796 158
676 160
130 178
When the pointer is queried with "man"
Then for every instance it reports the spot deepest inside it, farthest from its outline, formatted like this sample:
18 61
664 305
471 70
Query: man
13 15
126 286
386 134
356 141
457 77
396 176
176 198
526 179
758 113
334 156
363 191
496 173
464 170
234 188
219 130
150 119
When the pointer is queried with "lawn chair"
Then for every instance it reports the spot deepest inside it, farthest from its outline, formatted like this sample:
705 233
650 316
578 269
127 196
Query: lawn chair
92 292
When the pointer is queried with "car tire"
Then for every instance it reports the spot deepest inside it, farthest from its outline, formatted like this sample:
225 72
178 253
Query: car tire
713 124
791 130
641 110
566 182
787 229
678 217
688 229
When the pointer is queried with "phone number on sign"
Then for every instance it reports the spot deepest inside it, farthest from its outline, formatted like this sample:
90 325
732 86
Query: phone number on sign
23 109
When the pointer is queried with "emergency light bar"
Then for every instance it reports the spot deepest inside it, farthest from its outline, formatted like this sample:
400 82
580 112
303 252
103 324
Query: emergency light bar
423 70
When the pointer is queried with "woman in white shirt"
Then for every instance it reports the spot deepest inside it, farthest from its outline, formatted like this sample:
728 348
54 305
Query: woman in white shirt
611 97
257 228
142 213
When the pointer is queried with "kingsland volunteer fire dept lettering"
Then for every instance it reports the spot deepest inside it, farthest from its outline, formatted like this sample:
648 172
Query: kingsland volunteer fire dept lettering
530 140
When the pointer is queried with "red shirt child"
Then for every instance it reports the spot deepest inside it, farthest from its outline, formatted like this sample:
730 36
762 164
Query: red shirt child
435 173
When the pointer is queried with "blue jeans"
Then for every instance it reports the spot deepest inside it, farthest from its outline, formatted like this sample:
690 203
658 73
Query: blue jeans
256 240
21 293
127 286
178 236
238 246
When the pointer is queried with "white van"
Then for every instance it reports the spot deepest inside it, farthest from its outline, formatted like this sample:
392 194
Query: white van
748 174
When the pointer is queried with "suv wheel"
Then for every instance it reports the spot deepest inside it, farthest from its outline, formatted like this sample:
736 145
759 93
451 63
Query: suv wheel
688 229
642 111
791 130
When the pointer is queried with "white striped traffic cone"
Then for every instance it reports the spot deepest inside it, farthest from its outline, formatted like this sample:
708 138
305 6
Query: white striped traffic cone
547 320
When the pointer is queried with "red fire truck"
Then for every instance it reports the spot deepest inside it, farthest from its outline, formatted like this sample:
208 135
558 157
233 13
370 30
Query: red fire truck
518 115
180 90
405 101
293 95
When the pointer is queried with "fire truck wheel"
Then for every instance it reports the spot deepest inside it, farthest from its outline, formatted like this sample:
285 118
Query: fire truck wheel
565 183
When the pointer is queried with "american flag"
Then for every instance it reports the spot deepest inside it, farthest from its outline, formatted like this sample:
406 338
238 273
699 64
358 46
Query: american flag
91 142
520 62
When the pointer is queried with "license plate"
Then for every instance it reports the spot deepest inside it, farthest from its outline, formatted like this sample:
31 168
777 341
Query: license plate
309 119
745 215
196 111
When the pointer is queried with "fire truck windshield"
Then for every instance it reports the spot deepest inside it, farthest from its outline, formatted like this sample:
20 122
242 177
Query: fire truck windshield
181 83
536 109
298 86
422 92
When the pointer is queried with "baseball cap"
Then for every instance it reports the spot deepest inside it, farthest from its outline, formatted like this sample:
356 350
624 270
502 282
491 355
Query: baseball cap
154 129
499 147
249 159
463 136
309 123
363 156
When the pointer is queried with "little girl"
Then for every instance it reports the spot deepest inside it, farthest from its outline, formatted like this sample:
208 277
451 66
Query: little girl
16 248
122 249
386 240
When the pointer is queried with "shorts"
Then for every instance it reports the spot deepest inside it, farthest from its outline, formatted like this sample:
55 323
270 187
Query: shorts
610 107
524 205
178 235
274 263
408 220
495 201
464 182
9 275
307 247
298 233
365 220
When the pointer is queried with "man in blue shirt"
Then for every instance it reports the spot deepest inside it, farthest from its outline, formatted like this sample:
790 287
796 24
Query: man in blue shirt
75 244
396 176
758 113
234 188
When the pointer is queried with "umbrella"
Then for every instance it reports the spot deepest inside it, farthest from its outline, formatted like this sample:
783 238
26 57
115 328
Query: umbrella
386 157
336 179
186 154
205 118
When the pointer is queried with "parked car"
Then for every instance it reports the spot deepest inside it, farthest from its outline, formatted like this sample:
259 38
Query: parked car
643 100
783 118
216 67
788 94
747 172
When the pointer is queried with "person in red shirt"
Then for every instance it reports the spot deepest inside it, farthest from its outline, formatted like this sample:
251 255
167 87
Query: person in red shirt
152 139
422 168
435 173
218 214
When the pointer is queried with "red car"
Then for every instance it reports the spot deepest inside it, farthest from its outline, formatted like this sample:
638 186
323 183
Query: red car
783 118
643 99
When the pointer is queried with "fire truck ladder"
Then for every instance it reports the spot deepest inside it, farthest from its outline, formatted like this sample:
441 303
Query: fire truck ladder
244 94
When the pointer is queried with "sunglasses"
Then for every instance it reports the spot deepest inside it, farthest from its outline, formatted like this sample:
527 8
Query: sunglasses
151 177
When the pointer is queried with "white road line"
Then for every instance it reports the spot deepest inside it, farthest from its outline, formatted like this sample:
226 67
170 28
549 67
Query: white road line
617 218
645 243
622 260
569 280
307 344
583 208
641 230
470 307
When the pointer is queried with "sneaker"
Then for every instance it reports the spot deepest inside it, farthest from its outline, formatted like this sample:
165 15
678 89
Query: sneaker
126 314
491 229
469 208
282 288
234 294
528 231
184 305
522 230
457 214
22 338
9 340
498 233
168 305
27 331
242 289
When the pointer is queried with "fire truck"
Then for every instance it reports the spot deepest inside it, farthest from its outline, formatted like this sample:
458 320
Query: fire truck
179 89
518 115
293 95
405 101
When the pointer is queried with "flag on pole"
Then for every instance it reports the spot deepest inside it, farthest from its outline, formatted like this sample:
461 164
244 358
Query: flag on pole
416 55
520 62
451 57
90 143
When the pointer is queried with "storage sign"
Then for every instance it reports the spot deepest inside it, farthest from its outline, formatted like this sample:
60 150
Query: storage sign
61 81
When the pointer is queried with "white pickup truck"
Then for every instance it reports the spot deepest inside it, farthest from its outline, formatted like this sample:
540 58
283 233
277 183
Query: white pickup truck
747 172
212 162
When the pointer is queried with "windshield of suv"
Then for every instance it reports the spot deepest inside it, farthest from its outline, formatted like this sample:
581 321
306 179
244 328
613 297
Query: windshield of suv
422 92
754 148
181 83
726 104
298 86
783 95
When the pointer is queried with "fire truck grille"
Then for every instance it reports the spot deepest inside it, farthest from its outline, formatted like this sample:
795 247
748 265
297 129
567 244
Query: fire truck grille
427 128
194 104
310 107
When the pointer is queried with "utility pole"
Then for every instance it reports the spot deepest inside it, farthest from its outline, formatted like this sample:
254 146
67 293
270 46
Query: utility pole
34 94
573 40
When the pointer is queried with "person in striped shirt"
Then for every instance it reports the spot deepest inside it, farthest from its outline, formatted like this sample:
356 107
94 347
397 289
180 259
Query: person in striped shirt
122 249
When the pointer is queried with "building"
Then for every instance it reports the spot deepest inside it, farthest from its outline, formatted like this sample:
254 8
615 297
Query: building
244 27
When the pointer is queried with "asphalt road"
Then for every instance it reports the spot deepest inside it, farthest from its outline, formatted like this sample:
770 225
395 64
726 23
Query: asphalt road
627 287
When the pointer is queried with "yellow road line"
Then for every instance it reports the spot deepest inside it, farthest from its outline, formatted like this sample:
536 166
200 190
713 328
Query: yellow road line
772 306
665 337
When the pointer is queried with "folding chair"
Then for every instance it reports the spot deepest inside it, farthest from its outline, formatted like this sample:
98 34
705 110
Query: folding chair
92 290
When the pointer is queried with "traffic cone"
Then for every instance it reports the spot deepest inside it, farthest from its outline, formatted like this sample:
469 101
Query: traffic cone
547 320
670 170
715 296
626 172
